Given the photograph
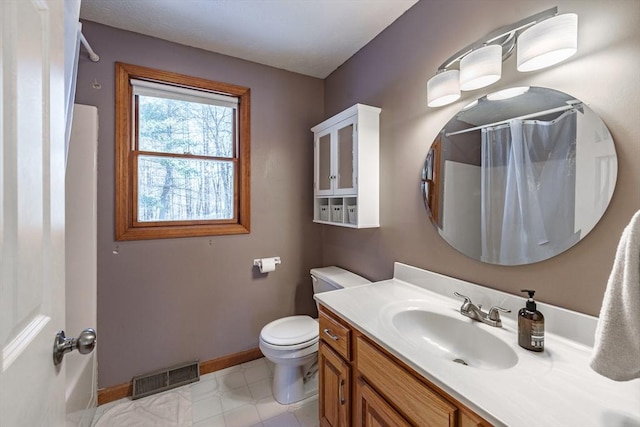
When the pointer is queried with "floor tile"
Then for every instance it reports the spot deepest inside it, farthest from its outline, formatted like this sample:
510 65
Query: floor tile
231 381
261 389
217 421
239 396
283 420
207 377
172 408
244 416
203 389
307 412
257 362
227 371
233 399
206 408
270 365
257 372
269 408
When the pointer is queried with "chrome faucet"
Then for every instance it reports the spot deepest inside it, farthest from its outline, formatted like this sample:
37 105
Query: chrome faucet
472 311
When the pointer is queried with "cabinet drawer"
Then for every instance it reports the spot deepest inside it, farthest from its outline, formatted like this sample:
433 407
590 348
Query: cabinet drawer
336 335
409 395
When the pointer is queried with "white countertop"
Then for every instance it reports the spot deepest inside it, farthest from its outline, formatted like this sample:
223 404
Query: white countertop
552 388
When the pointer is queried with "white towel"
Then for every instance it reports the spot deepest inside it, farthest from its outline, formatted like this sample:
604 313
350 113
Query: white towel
616 352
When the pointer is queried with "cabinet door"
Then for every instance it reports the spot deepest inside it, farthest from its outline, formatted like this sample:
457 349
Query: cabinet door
323 158
422 405
334 405
346 164
373 411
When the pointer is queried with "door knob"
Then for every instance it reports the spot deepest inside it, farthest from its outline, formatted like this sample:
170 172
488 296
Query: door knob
85 343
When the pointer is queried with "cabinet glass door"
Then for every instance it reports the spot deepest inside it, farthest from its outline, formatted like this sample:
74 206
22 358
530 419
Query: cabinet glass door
345 167
323 168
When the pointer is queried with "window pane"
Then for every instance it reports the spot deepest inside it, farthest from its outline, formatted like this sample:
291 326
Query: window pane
174 189
174 126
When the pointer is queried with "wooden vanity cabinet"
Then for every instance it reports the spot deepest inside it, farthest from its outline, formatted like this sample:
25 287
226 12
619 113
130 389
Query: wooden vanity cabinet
362 385
334 366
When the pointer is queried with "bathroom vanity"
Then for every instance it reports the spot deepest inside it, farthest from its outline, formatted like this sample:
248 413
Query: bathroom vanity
398 352
361 381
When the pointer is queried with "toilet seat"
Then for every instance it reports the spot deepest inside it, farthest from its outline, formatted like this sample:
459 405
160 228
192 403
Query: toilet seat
291 332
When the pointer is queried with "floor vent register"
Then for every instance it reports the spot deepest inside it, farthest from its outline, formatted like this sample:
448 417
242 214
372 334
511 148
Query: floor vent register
165 379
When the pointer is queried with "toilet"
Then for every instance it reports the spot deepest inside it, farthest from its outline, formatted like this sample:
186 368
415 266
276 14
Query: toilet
291 343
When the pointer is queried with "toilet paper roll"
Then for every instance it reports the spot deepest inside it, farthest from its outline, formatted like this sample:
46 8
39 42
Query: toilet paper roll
267 265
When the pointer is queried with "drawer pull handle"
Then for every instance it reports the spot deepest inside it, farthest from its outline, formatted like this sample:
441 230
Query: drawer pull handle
330 335
341 392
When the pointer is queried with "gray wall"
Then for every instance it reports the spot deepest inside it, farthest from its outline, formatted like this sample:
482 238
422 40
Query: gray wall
391 72
162 302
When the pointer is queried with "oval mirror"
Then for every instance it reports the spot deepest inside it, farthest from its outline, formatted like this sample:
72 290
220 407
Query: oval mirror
519 176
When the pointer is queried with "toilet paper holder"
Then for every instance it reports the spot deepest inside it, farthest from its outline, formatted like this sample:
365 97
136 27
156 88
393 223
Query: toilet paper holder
259 262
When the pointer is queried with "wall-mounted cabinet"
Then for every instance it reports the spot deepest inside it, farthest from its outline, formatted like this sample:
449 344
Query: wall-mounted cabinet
346 168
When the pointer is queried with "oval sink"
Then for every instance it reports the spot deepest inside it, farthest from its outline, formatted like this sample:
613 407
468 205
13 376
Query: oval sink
457 340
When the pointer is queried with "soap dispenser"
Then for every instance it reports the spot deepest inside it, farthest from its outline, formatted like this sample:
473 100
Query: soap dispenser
530 325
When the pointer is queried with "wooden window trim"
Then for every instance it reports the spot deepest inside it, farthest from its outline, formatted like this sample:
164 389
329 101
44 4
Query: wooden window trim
126 227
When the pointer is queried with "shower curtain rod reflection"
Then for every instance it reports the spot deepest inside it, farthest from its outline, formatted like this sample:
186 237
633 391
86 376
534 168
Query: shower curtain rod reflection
576 106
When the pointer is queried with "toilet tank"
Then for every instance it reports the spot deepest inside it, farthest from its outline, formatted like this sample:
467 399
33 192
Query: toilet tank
332 278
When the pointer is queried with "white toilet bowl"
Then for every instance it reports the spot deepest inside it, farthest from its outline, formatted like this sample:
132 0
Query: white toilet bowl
291 343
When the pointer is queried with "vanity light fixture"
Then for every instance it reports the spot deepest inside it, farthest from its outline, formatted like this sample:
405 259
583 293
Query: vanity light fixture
481 67
542 40
548 42
443 88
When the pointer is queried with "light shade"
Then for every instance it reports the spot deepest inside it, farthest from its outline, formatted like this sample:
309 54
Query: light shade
481 67
443 88
548 42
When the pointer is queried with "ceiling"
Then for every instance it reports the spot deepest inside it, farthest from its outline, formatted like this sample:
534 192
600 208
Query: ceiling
311 37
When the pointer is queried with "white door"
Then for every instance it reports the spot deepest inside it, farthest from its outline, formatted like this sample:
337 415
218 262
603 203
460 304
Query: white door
32 220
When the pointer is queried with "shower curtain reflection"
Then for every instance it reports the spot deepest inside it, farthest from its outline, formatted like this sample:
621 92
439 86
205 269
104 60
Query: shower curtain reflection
528 182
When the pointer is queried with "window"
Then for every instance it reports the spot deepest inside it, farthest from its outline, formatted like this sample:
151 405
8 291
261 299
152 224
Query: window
182 155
